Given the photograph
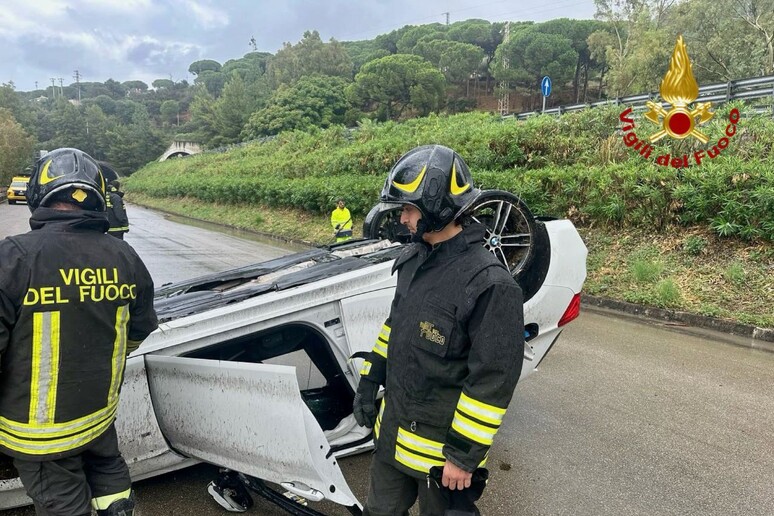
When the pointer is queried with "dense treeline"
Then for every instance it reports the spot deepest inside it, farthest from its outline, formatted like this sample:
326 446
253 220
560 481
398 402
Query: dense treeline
577 166
412 71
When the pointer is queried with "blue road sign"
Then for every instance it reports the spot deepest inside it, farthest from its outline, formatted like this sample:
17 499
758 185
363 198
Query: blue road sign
545 86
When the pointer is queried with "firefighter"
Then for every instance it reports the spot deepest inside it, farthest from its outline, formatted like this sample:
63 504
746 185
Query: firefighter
341 220
450 352
73 303
116 211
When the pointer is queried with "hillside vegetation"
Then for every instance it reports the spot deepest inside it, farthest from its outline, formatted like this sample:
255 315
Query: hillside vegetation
696 239
576 166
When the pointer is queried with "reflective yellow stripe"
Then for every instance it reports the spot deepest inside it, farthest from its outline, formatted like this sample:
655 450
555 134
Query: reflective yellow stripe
45 368
366 368
103 502
481 411
54 379
119 354
380 348
37 343
379 417
56 445
472 430
382 341
62 429
416 462
122 228
419 444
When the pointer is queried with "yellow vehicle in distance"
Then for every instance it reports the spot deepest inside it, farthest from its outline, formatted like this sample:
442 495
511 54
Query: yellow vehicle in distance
17 191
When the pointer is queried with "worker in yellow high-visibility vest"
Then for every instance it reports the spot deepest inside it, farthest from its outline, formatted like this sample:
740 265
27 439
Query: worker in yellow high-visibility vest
341 220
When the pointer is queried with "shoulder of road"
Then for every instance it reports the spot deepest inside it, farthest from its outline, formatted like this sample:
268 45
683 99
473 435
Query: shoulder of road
736 333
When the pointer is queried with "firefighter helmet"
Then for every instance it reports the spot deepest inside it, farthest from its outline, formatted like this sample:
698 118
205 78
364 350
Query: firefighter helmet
436 180
67 175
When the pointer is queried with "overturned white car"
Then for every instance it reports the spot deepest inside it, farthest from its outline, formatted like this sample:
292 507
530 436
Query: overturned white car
250 369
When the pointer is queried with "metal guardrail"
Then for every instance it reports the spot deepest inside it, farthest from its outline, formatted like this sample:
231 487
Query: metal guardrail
744 89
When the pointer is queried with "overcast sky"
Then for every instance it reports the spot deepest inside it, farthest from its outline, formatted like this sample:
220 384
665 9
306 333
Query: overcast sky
153 39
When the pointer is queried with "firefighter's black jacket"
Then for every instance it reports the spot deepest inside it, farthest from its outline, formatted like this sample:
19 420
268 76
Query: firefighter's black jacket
72 300
116 212
449 354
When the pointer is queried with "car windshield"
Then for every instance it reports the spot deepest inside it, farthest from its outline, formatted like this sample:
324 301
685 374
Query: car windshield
19 184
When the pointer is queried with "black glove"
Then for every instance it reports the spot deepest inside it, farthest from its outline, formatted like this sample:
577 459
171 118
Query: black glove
364 404
337 226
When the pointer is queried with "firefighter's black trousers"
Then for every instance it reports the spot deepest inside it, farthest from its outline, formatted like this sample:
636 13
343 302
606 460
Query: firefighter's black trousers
65 487
392 493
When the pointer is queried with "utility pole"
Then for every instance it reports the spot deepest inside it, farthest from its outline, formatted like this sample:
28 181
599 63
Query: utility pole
77 78
447 17
503 103
53 88
36 85
61 90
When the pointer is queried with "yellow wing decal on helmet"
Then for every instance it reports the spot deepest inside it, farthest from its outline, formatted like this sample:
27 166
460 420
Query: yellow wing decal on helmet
454 186
44 175
412 186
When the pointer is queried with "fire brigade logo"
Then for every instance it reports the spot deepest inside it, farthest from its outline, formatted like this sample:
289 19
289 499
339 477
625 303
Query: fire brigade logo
678 88
428 331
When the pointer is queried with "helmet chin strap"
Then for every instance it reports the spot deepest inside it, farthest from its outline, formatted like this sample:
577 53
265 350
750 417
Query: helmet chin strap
420 232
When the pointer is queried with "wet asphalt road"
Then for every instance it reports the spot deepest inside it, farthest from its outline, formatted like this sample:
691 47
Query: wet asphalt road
623 418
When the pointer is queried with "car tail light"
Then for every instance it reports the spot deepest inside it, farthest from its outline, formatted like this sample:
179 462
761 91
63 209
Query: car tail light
573 310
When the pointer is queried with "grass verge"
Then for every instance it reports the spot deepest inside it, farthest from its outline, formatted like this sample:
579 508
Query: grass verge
687 269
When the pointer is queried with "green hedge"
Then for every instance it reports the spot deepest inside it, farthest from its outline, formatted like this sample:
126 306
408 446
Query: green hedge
575 166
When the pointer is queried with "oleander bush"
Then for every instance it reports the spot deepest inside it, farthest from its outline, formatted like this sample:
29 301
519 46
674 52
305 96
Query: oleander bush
575 166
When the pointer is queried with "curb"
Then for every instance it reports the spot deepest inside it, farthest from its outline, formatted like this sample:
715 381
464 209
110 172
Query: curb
761 338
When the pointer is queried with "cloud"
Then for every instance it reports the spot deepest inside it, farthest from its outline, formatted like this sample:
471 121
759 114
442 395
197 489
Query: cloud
139 39
100 55
117 6
205 16
209 18
160 56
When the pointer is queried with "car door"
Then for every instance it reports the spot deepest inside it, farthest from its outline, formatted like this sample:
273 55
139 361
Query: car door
248 417
140 438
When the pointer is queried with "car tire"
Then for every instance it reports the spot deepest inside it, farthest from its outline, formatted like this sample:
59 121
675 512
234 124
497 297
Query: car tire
511 227
383 223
